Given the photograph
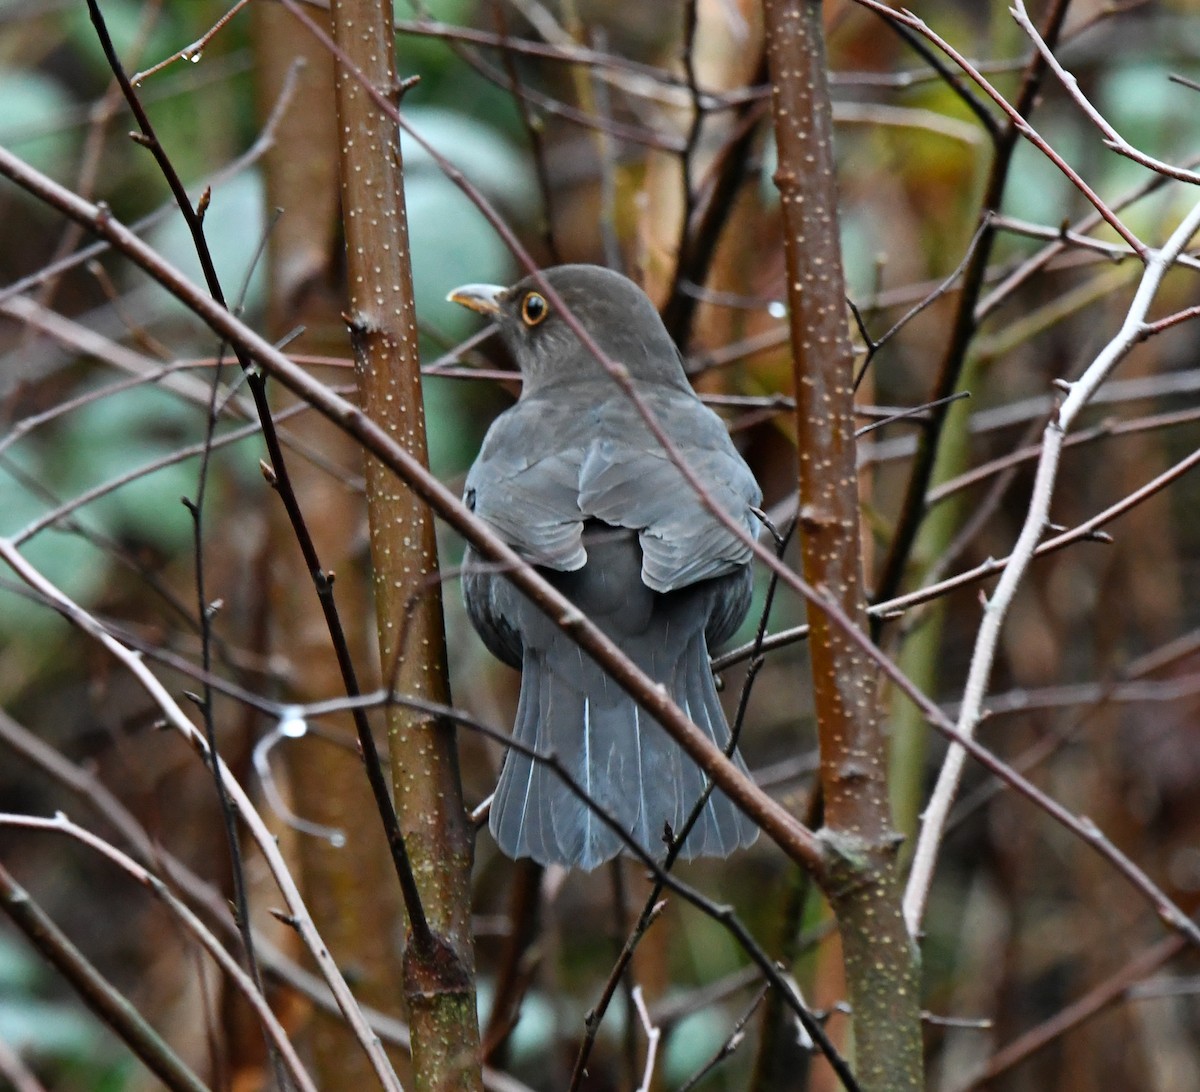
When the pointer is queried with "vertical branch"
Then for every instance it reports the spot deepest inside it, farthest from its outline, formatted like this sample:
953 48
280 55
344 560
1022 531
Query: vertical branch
861 878
438 961
353 899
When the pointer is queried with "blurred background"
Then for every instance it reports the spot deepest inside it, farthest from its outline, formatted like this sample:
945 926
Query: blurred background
616 128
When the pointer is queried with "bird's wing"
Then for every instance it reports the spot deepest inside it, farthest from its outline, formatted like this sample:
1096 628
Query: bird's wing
627 479
527 487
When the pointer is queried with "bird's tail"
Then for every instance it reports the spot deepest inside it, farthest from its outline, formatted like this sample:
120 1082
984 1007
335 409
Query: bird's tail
617 754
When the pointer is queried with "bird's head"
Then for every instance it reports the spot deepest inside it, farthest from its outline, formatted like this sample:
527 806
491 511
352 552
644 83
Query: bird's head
613 310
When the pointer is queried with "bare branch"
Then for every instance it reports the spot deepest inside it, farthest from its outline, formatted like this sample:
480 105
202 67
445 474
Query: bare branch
1032 533
1113 139
245 809
100 995
113 1009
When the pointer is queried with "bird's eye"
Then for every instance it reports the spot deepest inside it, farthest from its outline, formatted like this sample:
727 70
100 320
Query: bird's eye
534 308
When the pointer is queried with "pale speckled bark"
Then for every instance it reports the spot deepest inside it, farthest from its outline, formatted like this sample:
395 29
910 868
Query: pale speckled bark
350 890
439 985
860 879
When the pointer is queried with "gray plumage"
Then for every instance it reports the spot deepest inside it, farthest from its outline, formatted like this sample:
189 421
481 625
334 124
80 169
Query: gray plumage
573 479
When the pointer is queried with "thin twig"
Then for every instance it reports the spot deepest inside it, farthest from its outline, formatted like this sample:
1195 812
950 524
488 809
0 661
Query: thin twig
191 52
249 816
100 995
260 147
1113 140
1092 1003
16 1072
1016 116
1082 827
192 924
534 131
595 1014
964 324
84 783
734 1041
1032 533
653 1034
874 345
281 481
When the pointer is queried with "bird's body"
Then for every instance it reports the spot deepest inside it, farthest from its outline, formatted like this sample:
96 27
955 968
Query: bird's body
573 478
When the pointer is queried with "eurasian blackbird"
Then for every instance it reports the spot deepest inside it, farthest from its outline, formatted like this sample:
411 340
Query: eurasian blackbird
573 479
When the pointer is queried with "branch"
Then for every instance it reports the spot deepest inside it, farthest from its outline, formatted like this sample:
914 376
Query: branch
653 1034
95 795
1016 115
1113 140
299 916
1083 828
964 322
861 881
70 961
112 1007
1095 1001
281 482
16 1072
1036 521
800 844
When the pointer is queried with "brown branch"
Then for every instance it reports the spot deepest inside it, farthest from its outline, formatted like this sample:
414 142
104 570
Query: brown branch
189 923
1113 140
438 957
84 784
964 323
97 992
354 903
861 881
1082 827
194 219
191 52
1092 1003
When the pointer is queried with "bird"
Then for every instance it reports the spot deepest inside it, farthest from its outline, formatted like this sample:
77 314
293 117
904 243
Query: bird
573 479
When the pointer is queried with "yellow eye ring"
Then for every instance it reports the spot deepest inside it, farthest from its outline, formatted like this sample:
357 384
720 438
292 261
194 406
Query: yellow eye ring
534 308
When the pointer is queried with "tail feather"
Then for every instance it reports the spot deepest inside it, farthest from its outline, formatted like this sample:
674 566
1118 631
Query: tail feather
721 827
616 753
